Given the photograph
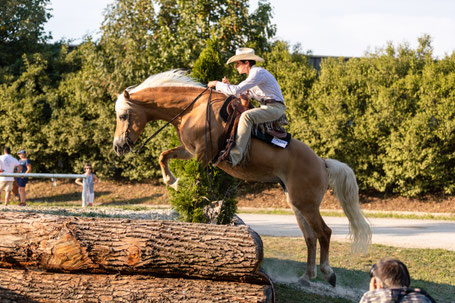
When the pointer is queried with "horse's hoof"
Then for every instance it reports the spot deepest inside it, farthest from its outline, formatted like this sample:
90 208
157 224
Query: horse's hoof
175 184
333 279
304 282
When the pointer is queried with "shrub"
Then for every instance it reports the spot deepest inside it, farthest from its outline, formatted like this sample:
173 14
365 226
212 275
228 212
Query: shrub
198 188
387 115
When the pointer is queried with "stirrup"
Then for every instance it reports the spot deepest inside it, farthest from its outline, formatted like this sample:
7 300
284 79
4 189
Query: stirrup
220 159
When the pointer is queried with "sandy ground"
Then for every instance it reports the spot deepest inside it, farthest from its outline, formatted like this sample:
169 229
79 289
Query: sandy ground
393 232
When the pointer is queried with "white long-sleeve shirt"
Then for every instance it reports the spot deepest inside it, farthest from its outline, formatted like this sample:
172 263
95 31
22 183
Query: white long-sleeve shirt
260 82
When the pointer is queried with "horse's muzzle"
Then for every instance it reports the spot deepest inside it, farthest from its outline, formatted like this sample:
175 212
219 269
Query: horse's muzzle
121 146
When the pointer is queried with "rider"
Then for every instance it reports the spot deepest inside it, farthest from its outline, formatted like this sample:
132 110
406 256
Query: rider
261 86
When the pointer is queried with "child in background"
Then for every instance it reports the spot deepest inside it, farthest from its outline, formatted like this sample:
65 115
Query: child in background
91 180
22 181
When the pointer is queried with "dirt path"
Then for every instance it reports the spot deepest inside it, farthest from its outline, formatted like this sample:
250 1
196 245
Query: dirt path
392 232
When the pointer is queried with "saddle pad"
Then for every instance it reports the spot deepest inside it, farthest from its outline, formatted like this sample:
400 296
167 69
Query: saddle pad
283 143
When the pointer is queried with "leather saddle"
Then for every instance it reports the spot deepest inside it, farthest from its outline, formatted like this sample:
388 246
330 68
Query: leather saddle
272 133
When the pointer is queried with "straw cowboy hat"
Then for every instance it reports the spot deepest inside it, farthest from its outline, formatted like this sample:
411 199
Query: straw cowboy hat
244 53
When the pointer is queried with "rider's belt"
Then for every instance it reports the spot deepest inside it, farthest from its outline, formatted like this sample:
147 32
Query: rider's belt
267 101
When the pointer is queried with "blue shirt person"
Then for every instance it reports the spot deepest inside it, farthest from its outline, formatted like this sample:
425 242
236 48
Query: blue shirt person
26 168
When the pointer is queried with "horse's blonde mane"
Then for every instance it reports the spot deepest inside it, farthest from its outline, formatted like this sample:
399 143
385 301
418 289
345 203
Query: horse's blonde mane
174 77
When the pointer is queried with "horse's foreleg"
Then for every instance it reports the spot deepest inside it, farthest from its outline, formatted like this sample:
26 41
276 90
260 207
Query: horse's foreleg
175 153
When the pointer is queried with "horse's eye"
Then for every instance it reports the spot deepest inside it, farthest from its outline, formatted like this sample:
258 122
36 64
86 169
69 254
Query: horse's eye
123 117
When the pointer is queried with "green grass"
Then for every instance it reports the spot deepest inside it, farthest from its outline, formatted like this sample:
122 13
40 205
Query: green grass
285 262
424 216
78 205
279 211
77 211
369 214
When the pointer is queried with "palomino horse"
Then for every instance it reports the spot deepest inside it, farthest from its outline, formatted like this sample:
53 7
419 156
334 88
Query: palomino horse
303 175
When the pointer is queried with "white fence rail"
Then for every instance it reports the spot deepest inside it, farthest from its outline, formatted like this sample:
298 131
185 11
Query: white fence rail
53 176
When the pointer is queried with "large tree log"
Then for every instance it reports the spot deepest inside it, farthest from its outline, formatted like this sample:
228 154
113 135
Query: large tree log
106 245
29 286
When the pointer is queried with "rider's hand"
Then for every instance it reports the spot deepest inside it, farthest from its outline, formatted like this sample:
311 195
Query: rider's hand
245 98
212 84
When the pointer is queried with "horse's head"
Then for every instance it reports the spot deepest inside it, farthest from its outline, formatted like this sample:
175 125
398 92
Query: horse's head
135 107
131 121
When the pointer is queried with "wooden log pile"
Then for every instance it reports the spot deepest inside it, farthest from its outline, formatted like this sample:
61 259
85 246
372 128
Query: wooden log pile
48 258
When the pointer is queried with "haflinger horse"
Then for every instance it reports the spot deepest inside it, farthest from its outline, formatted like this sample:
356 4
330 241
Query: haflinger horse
304 176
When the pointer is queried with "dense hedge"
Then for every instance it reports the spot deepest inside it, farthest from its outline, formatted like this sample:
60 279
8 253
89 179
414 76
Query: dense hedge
389 115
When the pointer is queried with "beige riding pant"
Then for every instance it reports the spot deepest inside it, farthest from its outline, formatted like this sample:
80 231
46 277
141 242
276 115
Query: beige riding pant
266 113
6 185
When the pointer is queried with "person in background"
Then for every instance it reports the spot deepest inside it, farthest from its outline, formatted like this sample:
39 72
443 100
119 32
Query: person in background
22 181
91 180
7 164
390 281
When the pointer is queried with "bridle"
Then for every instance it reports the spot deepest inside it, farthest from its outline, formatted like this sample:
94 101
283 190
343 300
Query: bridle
129 142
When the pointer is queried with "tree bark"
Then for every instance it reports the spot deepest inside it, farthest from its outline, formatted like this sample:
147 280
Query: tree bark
107 245
30 286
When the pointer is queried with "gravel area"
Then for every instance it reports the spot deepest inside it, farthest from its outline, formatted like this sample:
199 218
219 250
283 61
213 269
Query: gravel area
106 212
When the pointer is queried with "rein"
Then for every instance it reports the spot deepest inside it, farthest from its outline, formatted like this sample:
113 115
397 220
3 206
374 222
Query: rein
170 121
208 149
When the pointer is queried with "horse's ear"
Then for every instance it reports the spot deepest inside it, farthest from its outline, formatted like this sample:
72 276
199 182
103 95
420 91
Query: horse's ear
126 94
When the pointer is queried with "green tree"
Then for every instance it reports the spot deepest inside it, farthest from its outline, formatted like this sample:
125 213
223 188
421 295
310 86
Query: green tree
21 28
209 66
153 36
142 37
295 77
199 186
60 105
260 31
420 157
26 107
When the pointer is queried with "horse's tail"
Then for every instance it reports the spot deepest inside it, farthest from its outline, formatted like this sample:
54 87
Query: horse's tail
343 182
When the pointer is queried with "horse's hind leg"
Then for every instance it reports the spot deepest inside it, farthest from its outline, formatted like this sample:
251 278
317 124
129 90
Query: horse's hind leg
314 228
175 153
324 242
323 233
310 240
